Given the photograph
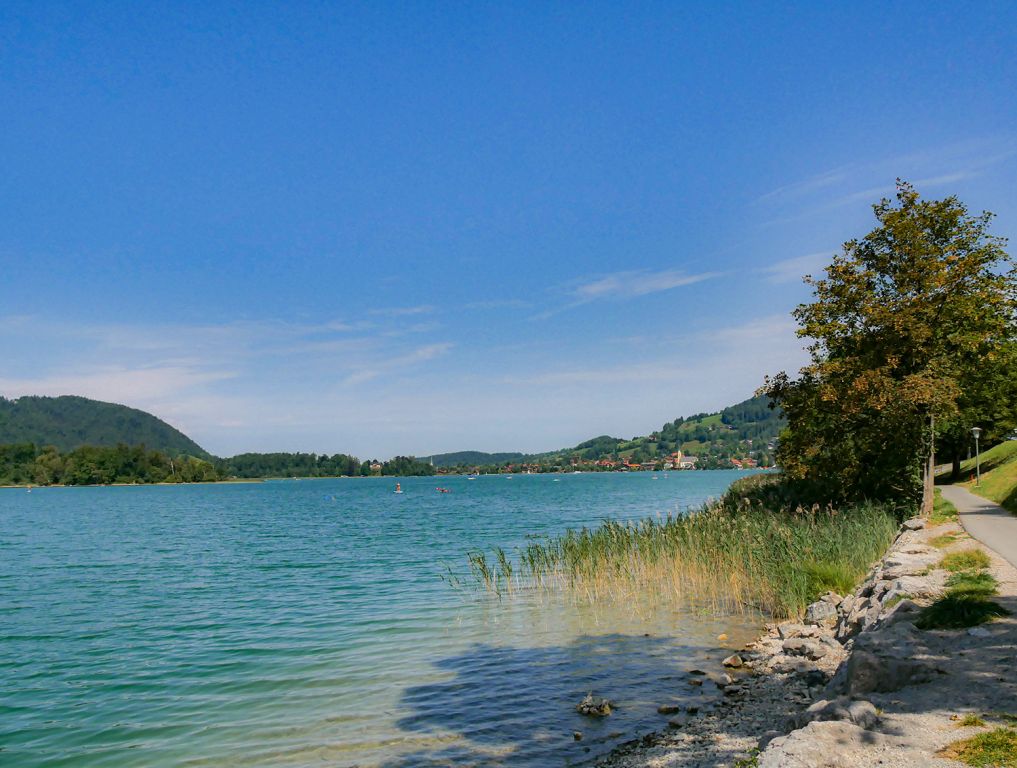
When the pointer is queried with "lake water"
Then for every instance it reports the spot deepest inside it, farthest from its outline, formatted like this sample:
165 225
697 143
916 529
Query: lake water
306 622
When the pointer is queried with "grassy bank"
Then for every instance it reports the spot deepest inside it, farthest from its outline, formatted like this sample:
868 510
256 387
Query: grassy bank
733 555
999 475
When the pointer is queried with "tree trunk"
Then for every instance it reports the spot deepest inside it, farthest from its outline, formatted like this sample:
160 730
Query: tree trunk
929 479
955 470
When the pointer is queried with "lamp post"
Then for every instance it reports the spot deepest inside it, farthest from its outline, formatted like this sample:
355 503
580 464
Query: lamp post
977 432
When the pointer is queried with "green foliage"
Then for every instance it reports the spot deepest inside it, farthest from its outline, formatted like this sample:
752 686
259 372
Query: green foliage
966 560
830 576
995 749
249 465
404 466
912 324
25 464
70 422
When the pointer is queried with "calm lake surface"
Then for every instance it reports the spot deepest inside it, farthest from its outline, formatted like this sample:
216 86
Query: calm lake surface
306 623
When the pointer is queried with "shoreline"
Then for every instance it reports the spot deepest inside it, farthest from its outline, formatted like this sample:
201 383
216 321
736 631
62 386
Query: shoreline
859 684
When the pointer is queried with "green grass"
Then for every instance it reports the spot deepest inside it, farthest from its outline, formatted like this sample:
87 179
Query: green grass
995 749
968 589
958 612
970 721
972 584
941 542
943 511
734 555
999 475
966 560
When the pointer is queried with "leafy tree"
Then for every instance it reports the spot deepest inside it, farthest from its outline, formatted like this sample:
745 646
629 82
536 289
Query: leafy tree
913 328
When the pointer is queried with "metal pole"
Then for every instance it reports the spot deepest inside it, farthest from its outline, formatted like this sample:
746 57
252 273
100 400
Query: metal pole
978 466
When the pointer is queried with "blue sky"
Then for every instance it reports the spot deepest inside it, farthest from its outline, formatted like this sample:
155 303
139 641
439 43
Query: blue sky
422 227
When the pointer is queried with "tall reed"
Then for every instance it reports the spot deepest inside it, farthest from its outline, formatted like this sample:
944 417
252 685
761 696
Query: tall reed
727 555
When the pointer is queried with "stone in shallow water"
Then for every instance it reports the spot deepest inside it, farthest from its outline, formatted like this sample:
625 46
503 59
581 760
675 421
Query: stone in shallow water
592 707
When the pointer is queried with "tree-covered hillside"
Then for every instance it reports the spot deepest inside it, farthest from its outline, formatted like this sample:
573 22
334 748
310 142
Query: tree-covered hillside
69 422
467 458
747 430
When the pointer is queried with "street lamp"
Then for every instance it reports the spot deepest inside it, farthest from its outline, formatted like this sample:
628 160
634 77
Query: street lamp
977 431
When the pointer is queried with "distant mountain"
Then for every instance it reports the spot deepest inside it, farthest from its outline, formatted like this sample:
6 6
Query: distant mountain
69 422
471 458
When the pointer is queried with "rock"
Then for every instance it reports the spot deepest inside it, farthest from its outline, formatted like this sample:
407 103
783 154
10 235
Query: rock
577 735
811 649
815 677
823 744
905 610
914 524
821 612
693 710
675 722
979 632
920 586
861 713
733 690
722 637
592 707
669 709
734 660
868 672
789 629
696 681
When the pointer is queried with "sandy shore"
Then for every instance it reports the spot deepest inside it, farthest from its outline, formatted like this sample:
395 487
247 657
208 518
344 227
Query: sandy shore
859 685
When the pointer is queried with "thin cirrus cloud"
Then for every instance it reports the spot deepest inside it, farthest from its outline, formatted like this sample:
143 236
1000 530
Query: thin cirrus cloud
629 285
796 268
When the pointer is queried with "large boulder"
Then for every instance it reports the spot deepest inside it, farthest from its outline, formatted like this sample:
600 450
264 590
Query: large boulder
822 744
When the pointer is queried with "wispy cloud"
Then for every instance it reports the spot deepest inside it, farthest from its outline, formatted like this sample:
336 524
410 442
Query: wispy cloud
795 268
870 181
630 284
414 357
420 309
498 304
812 184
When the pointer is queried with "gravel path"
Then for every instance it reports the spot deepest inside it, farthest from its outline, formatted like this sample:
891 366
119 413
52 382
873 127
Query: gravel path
992 525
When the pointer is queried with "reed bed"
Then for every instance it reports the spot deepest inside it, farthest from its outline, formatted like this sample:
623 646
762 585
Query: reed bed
731 556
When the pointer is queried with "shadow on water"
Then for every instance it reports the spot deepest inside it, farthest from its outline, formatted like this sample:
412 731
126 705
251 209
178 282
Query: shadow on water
516 706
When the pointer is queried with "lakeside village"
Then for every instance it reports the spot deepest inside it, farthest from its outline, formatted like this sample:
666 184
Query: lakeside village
675 461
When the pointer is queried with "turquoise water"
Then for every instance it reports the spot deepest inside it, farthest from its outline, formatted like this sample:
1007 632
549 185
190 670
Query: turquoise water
306 623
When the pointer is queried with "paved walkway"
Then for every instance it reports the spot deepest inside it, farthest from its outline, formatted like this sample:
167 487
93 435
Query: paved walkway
988 522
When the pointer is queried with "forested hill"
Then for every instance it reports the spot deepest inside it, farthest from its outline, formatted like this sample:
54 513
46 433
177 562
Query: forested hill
746 430
69 422
464 458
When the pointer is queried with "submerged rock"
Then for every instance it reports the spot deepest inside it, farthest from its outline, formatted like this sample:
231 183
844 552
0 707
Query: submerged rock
592 707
